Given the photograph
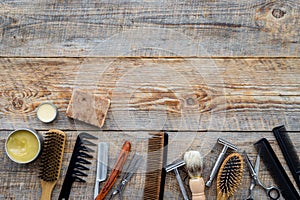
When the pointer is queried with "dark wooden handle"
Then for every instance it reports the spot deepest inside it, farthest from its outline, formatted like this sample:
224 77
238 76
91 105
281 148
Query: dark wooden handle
116 171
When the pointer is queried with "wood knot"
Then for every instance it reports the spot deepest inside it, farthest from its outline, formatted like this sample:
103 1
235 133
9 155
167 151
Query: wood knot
278 13
190 101
17 103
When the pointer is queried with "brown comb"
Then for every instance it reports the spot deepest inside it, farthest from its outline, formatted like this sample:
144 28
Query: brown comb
156 162
229 176
51 161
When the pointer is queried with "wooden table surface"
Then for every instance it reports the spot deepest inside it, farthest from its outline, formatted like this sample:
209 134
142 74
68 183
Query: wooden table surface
198 70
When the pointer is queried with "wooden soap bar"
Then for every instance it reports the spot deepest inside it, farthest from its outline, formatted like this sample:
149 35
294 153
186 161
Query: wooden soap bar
88 107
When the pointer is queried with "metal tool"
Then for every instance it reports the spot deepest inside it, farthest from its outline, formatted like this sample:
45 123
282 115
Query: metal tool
102 163
174 166
130 169
220 159
272 192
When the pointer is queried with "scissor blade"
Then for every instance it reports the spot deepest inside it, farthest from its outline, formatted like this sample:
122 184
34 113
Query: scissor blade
133 166
130 169
252 171
257 162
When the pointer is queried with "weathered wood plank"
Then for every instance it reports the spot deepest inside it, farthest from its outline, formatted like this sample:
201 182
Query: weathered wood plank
179 142
156 94
149 28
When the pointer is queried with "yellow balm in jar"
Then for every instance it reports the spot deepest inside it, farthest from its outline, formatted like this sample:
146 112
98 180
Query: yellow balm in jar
23 145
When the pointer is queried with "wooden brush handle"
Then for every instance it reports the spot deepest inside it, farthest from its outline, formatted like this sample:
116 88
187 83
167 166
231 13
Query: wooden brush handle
47 188
116 171
197 187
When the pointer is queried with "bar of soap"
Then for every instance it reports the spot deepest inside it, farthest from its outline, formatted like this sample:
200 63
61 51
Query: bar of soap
88 107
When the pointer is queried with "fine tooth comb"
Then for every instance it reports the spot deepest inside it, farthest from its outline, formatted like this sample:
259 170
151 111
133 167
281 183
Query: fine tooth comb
156 162
51 161
229 176
102 163
77 162
276 170
289 152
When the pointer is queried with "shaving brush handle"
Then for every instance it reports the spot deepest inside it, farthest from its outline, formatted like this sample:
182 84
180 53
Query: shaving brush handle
197 187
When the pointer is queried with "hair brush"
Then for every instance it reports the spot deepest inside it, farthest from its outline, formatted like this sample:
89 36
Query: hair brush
194 165
51 161
229 176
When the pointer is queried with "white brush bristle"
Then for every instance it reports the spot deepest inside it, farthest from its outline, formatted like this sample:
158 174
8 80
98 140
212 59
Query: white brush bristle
194 163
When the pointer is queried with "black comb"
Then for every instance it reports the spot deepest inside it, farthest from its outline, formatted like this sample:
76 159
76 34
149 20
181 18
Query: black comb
79 158
274 166
288 151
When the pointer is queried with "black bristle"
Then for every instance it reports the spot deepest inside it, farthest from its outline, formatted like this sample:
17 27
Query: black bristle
51 156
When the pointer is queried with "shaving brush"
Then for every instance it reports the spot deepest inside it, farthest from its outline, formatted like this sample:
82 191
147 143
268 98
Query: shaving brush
194 164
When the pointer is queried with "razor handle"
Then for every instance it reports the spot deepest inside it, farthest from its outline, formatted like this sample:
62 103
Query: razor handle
216 167
197 187
182 189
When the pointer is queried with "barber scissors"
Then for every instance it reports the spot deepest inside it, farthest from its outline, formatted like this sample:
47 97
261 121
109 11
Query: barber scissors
272 192
131 168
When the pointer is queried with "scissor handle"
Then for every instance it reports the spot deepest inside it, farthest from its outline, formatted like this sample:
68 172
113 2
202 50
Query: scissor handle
273 192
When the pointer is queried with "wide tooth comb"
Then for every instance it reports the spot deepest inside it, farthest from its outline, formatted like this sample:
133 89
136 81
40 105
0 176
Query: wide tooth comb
229 176
79 173
83 161
79 166
85 155
77 162
84 148
51 161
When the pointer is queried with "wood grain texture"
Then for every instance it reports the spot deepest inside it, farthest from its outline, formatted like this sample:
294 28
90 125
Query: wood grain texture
151 58
156 94
196 100
216 28
21 181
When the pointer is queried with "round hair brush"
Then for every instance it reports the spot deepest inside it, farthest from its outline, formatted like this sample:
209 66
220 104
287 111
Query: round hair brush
229 176
194 164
